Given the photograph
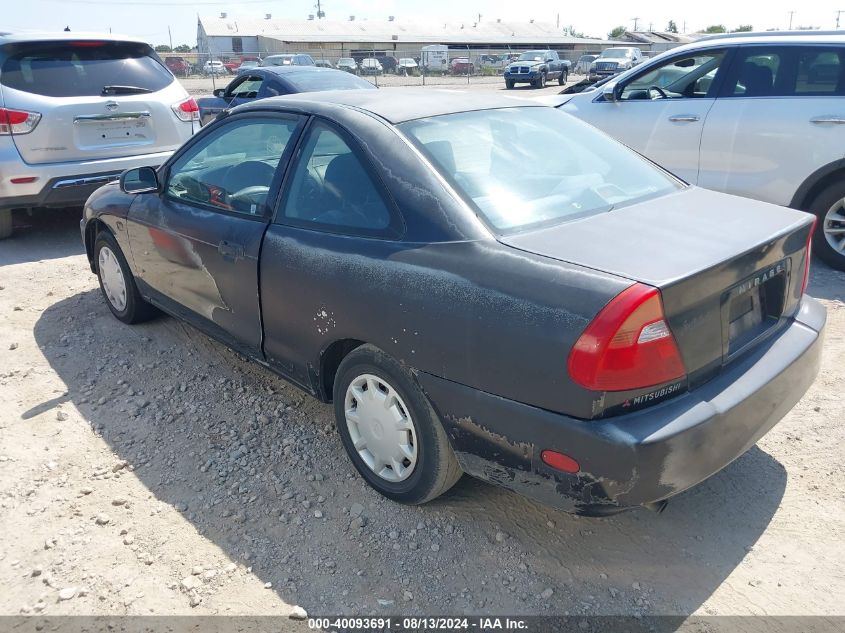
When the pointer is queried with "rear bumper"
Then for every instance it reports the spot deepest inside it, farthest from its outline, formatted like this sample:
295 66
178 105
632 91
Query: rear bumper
64 184
642 457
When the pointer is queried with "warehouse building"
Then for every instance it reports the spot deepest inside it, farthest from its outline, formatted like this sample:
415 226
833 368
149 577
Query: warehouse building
224 35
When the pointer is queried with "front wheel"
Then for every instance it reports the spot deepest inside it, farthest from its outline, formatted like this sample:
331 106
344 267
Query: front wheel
564 76
829 239
509 84
389 429
541 81
117 283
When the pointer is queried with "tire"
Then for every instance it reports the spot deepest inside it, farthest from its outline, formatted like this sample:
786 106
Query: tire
829 202
563 77
541 81
509 84
6 225
434 469
133 308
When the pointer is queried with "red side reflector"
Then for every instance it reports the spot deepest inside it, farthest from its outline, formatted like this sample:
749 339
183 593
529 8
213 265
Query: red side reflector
24 181
559 461
808 257
628 345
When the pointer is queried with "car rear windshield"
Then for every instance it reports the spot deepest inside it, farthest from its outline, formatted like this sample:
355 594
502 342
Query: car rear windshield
526 167
317 81
81 69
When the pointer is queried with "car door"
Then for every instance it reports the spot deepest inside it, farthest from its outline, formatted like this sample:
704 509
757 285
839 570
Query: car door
196 243
660 111
779 117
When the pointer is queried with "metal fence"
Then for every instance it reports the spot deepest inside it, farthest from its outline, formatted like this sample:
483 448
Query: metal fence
408 66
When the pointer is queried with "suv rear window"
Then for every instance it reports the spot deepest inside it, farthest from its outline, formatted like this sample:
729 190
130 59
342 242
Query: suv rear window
81 69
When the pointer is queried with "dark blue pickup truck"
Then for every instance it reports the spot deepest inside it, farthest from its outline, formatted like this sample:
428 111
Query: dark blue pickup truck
536 68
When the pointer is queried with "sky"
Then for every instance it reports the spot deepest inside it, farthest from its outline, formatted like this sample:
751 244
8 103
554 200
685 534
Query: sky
150 19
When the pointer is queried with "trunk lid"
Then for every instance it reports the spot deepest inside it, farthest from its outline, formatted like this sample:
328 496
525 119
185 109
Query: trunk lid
730 270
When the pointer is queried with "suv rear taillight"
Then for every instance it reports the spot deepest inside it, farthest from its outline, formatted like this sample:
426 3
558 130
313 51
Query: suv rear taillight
808 257
187 110
17 121
628 345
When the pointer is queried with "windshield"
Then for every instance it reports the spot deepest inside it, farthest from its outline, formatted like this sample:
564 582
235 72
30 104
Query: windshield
346 60
328 80
82 69
533 56
524 167
616 53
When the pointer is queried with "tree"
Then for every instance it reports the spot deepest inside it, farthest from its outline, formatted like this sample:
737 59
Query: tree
716 28
570 31
743 28
182 48
162 48
672 27
616 33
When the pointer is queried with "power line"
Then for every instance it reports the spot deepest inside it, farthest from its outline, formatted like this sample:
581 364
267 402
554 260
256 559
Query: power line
166 3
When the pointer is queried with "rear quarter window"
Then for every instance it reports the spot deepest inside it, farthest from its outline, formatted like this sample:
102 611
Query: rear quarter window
81 69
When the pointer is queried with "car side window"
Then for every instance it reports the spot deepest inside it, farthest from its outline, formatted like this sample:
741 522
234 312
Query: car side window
821 71
756 73
685 77
332 190
231 169
247 89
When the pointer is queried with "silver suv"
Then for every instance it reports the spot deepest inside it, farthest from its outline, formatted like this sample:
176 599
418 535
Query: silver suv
76 110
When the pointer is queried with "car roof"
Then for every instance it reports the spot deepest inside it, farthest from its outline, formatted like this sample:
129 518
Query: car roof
779 37
287 70
48 36
396 106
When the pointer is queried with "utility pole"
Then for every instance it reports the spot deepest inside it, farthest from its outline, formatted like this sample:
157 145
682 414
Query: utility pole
838 13
320 14
169 36
791 13
636 21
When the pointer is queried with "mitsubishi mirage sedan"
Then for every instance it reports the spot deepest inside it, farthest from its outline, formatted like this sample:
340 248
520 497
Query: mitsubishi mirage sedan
479 285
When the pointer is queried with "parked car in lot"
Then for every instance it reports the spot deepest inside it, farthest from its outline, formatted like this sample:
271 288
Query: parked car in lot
461 66
535 68
297 59
347 64
613 61
371 66
214 67
323 63
571 287
76 110
177 65
757 115
388 63
407 66
248 64
273 81
582 66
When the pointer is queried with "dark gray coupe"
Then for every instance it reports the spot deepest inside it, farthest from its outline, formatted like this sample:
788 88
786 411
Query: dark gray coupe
480 285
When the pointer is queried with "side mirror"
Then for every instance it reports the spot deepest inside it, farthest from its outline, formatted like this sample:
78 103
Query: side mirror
139 180
220 93
549 60
611 92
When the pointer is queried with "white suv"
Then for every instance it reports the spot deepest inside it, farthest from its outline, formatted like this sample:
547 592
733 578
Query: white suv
76 110
757 115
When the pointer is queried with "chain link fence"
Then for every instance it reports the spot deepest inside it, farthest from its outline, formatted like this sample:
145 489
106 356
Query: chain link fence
400 66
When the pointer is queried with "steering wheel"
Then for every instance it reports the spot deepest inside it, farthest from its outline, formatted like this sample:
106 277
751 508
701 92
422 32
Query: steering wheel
248 197
659 91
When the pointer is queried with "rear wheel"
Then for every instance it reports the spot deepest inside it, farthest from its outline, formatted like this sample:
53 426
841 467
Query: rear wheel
829 239
117 283
5 223
564 76
389 429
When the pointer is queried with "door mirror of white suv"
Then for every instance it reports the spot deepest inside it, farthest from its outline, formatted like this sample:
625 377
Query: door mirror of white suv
139 180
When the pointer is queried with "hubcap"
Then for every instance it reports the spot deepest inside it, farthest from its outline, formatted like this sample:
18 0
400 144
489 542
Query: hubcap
111 276
834 227
381 428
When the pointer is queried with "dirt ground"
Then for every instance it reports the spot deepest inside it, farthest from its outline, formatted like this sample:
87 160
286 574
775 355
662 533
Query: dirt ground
151 470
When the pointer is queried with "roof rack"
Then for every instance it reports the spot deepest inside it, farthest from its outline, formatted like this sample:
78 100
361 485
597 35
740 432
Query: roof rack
720 36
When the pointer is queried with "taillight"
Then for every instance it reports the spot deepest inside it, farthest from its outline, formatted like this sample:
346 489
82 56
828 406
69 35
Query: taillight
187 110
628 345
17 121
808 256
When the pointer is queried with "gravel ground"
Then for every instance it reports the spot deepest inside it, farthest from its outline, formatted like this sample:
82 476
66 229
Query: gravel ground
150 470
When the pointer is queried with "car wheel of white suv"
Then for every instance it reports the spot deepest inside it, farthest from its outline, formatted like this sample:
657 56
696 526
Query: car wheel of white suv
829 240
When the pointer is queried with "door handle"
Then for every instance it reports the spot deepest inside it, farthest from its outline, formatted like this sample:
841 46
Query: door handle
684 118
229 250
828 119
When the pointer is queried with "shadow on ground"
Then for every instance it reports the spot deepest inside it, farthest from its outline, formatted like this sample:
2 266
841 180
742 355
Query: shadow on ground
46 234
255 460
